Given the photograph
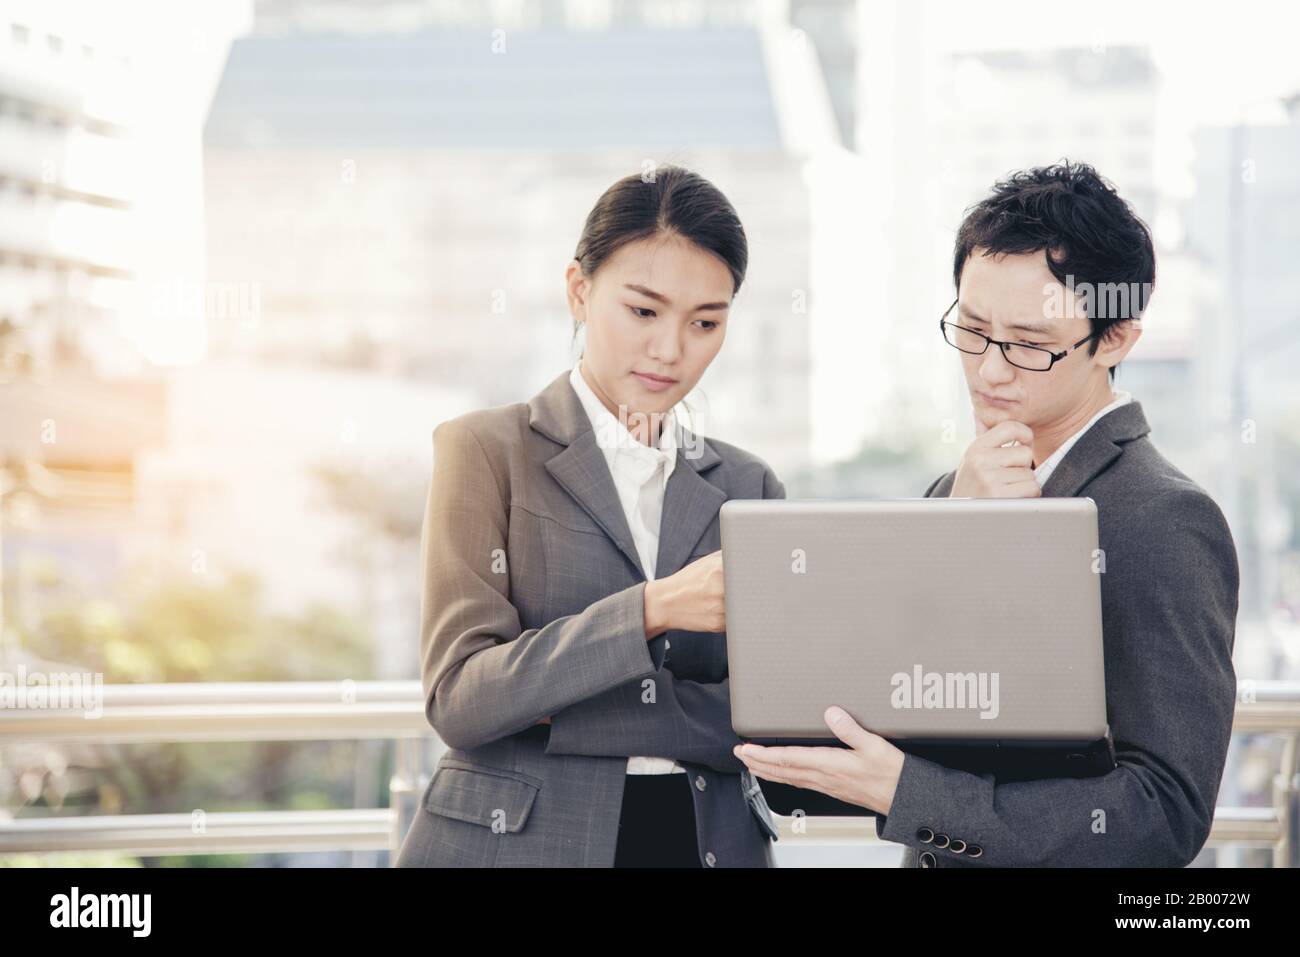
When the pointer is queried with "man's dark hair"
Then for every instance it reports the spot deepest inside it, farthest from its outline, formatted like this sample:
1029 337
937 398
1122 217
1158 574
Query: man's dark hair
1090 234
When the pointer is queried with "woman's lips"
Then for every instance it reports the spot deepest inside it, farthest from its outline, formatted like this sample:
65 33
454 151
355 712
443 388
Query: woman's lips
653 384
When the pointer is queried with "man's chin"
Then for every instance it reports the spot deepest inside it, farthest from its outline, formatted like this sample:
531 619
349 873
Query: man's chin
990 417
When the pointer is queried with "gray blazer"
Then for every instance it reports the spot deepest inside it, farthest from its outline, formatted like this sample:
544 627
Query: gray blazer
533 606
1169 608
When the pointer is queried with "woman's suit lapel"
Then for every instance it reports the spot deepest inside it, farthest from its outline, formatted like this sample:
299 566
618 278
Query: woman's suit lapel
691 502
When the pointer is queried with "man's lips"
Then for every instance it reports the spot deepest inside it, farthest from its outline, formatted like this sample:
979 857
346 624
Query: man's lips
656 378
994 400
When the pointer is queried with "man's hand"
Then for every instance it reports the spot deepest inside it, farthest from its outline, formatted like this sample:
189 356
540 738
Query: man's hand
865 773
993 469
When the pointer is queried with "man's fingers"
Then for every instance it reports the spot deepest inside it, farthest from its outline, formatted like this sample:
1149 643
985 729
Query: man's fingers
845 728
1010 456
1006 432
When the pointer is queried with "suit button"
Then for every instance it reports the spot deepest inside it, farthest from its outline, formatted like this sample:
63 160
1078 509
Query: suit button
710 859
974 850
700 783
941 840
957 846
925 835
927 859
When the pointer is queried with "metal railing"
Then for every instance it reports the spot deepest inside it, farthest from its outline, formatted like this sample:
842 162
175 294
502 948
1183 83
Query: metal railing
394 710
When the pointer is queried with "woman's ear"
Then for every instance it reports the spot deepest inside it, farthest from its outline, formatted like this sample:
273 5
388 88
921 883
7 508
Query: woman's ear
576 288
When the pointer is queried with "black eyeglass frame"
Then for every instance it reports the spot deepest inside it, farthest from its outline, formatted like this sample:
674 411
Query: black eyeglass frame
1056 356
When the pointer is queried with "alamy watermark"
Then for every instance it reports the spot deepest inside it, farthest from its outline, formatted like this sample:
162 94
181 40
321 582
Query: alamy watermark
1107 300
619 433
53 691
946 690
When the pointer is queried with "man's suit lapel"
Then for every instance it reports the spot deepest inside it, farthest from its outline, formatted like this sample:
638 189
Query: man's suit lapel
1096 450
690 500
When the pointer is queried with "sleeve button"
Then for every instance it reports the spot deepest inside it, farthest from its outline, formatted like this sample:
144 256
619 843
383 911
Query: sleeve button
941 840
925 835
927 859
974 850
958 846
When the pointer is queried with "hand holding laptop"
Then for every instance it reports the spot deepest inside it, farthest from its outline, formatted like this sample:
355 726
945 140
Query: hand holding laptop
865 774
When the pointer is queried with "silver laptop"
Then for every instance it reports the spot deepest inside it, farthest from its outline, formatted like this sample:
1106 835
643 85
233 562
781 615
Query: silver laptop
931 621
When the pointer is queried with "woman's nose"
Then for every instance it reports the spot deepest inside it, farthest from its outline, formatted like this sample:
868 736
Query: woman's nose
666 346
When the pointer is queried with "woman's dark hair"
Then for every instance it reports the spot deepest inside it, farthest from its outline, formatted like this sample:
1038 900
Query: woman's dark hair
1091 235
667 199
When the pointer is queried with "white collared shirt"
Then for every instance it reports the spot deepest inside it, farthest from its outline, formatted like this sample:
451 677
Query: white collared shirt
1043 472
640 475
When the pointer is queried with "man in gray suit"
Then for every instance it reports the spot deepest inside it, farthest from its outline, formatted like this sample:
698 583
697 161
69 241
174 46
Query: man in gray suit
1036 266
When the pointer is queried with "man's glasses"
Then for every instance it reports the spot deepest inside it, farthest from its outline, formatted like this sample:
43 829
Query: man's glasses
1032 358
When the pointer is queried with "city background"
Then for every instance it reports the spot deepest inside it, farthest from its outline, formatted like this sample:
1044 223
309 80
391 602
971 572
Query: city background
251 253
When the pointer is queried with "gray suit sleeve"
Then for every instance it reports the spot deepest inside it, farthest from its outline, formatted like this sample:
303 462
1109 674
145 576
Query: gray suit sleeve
484 678
930 492
1171 693
684 720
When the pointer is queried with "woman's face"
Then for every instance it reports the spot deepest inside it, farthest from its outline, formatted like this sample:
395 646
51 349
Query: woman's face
656 315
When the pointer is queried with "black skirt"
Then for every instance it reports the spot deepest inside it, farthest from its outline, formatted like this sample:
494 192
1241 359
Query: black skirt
656 827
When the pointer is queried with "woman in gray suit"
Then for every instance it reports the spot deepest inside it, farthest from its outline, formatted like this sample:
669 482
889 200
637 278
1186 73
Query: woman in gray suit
572 648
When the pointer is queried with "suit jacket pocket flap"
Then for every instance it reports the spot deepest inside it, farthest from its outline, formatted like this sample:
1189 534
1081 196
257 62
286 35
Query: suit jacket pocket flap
493 797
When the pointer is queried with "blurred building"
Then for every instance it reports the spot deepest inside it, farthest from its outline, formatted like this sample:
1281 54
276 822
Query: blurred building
66 194
1241 224
84 160
407 203
72 422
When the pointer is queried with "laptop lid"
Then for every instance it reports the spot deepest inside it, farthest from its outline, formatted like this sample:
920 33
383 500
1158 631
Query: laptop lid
931 621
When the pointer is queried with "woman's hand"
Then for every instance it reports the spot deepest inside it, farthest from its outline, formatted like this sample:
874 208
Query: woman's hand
690 600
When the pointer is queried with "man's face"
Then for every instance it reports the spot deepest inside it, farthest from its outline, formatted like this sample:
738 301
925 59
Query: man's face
1015 298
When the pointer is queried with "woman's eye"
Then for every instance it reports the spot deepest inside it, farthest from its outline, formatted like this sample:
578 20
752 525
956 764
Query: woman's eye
708 324
641 313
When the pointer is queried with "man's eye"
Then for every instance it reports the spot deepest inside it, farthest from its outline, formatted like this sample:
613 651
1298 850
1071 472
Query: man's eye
641 313
708 323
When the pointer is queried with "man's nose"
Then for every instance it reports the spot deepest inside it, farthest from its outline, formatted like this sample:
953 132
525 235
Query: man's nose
994 367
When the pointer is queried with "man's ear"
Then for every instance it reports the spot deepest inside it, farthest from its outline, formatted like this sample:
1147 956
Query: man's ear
1117 341
576 290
